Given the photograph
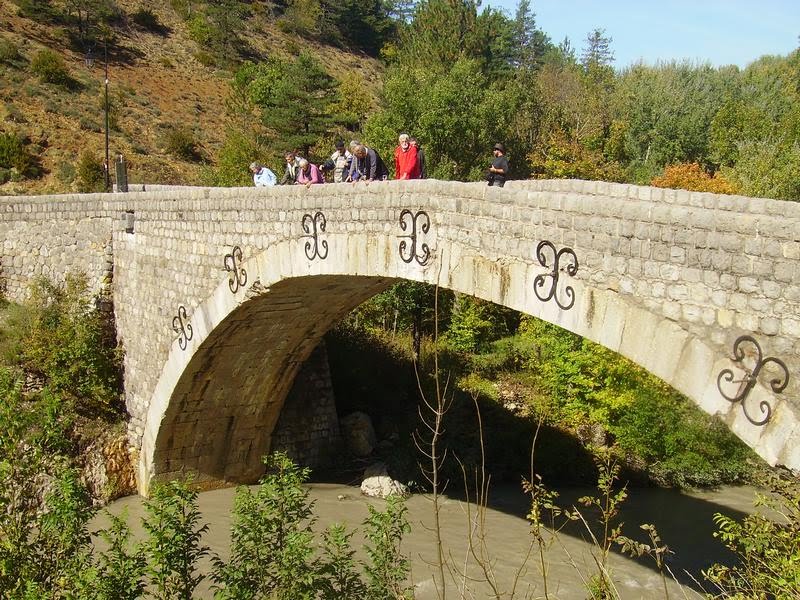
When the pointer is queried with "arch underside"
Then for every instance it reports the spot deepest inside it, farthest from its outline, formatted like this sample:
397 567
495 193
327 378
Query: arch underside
227 401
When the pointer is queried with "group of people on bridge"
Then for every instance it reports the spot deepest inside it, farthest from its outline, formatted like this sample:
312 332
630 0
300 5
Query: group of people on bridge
362 163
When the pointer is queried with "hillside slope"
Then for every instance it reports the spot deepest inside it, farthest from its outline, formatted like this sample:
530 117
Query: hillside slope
159 88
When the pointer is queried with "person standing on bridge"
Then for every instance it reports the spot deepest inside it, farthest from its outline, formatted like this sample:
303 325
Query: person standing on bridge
498 171
262 176
367 165
292 167
423 174
308 174
406 165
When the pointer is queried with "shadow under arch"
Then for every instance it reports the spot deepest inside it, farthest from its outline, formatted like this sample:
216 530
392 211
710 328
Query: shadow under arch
216 401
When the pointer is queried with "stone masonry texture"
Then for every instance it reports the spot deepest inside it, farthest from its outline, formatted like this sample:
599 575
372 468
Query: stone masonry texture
668 278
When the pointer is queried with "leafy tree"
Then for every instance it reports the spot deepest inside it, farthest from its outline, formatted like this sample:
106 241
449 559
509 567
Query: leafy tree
362 24
33 446
270 538
767 168
119 570
338 577
531 42
294 99
67 341
692 177
766 544
387 569
174 541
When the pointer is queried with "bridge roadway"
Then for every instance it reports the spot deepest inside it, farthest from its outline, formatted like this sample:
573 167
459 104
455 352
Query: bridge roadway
221 294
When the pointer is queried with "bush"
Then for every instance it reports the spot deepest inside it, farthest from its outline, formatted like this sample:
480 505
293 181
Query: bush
16 158
51 68
68 342
147 19
180 142
766 544
691 176
9 52
91 174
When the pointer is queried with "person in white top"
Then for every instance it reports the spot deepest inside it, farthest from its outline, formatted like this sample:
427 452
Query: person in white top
262 176
341 162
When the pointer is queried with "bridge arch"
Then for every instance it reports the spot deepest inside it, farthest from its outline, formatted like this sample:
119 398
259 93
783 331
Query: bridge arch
220 393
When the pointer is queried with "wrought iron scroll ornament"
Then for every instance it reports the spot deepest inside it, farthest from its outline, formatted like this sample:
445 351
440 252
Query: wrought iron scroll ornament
238 276
313 226
182 327
571 269
746 384
421 219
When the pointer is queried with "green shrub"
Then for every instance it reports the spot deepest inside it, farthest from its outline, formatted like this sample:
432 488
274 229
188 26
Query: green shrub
69 343
147 19
180 142
766 544
15 157
9 51
200 30
174 545
205 58
51 68
5 175
90 173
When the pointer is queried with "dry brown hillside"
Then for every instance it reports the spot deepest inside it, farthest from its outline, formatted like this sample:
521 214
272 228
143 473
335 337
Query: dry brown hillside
156 85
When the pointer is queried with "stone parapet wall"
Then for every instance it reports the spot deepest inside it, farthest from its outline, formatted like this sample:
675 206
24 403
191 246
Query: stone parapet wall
53 236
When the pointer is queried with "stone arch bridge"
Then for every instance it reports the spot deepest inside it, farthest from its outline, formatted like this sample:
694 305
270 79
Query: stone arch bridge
220 295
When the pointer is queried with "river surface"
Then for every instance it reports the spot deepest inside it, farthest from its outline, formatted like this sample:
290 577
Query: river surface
684 521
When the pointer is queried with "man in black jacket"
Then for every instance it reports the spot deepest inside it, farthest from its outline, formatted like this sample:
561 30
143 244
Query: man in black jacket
367 165
498 172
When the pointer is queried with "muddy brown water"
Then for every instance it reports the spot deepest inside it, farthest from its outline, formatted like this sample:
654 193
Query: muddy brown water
684 521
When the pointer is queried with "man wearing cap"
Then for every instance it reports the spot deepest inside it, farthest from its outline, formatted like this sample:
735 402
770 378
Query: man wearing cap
498 172
262 176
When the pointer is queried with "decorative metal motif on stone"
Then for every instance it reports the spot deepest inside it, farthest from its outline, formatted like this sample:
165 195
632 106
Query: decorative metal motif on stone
181 326
571 269
238 276
746 384
313 226
424 227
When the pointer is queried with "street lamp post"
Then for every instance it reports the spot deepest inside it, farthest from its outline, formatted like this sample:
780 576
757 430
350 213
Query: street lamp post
89 60
106 163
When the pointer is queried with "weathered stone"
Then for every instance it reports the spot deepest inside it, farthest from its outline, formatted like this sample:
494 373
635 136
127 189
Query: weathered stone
358 433
377 483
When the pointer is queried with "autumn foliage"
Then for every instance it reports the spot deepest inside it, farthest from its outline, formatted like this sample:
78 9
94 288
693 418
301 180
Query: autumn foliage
691 176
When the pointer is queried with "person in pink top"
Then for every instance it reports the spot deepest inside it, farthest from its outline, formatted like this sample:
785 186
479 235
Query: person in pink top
405 159
308 173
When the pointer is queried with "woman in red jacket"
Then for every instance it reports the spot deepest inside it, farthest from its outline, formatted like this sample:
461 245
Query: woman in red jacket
405 159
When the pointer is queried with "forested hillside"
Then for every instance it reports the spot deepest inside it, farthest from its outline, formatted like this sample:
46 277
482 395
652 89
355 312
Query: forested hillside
200 88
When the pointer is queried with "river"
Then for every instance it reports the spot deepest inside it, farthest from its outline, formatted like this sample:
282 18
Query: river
684 521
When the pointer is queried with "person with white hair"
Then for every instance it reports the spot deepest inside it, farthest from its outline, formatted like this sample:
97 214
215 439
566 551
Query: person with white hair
406 165
367 165
308 173
262 176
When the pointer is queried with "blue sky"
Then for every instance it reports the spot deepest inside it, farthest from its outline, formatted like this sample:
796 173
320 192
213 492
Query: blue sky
721 32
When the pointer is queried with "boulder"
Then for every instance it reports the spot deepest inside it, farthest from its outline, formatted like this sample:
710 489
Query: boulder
378 484
358 433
